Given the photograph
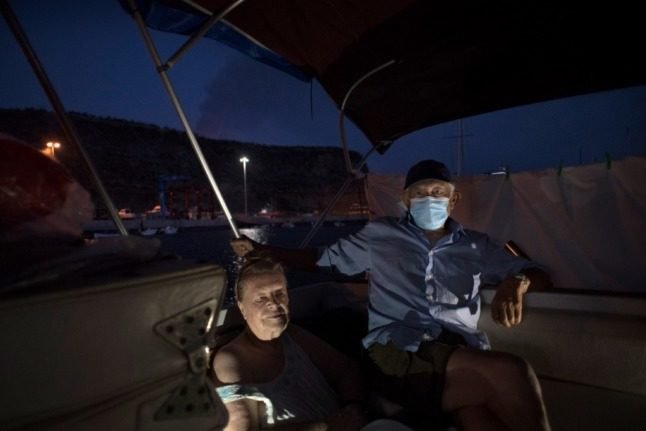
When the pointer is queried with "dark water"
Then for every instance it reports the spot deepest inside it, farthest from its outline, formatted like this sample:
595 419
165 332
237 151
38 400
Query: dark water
212 245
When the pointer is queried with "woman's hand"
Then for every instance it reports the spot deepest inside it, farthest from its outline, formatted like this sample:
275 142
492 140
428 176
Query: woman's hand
240 417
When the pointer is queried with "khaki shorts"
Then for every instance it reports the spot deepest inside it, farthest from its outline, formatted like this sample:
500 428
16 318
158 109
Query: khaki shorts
414 379
431 358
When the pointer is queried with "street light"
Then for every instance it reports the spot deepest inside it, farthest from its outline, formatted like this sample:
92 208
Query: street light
244 160
53 146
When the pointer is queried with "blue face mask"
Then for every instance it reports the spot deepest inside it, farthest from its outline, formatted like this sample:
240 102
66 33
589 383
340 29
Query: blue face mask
429 213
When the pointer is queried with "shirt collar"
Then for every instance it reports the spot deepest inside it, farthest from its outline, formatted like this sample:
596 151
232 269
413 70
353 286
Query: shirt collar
455 227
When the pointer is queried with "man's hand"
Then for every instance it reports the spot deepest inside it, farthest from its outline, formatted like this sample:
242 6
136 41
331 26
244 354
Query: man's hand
300 259
507 304
243 245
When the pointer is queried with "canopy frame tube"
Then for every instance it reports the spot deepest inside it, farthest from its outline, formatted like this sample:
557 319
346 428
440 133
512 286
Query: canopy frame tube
161 70
344 145
353 173
336 198
213 19
63 118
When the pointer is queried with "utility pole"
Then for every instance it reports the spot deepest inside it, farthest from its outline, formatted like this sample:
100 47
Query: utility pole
244 160
459 149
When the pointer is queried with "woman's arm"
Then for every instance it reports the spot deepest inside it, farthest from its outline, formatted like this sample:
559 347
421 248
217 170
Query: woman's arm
244 414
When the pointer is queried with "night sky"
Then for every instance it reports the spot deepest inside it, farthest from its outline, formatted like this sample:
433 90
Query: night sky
95 57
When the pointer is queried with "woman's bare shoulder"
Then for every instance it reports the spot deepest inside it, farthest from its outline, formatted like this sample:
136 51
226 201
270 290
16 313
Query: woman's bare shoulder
228 362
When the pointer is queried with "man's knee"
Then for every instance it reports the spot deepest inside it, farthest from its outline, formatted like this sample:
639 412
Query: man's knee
488 372
491 362
518 372
515 365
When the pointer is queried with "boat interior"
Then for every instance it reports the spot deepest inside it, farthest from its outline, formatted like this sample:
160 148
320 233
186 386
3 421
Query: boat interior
127 346
588 349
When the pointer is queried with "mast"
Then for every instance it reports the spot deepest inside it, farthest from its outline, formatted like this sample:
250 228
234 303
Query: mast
460 149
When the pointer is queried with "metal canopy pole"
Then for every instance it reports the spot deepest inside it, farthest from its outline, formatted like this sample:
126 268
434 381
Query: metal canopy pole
180 112
213 19
352 172
66 124
336 198
229 24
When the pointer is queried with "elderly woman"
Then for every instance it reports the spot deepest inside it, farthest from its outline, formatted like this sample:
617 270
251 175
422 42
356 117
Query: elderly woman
275 374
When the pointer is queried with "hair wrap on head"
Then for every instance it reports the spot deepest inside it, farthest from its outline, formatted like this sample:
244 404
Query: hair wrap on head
260 264
427 170
31 184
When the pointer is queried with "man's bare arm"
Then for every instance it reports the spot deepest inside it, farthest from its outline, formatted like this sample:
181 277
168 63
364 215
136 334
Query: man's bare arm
298 259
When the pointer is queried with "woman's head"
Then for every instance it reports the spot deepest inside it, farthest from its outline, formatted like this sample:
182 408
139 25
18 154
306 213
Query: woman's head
261 293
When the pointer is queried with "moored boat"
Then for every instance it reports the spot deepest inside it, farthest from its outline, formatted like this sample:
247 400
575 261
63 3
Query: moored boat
170 230
149 231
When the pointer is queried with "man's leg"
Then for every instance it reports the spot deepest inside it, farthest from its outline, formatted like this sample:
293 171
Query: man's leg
504 384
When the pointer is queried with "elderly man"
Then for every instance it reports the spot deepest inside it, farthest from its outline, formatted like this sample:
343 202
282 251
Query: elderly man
425 273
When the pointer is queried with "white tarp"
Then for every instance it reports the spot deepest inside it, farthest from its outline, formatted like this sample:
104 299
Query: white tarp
586 225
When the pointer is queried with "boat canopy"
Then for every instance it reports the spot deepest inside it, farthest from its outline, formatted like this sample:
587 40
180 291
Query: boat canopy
395 67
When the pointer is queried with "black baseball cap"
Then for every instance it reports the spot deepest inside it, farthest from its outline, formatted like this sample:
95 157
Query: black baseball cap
427 170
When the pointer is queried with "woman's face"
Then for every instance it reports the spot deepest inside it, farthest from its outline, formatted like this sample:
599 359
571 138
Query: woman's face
265 304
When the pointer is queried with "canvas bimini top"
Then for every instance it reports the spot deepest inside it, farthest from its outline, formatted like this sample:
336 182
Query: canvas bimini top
395 67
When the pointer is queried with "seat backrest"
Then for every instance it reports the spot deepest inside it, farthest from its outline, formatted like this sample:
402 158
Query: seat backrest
596 340
113 352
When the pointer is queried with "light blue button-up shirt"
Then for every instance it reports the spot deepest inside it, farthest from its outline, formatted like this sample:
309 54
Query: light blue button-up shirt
417 290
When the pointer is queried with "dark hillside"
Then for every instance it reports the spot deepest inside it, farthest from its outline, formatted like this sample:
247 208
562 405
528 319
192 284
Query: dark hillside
131 157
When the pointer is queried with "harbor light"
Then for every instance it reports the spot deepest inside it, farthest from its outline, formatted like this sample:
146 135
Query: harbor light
53 146
244 160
